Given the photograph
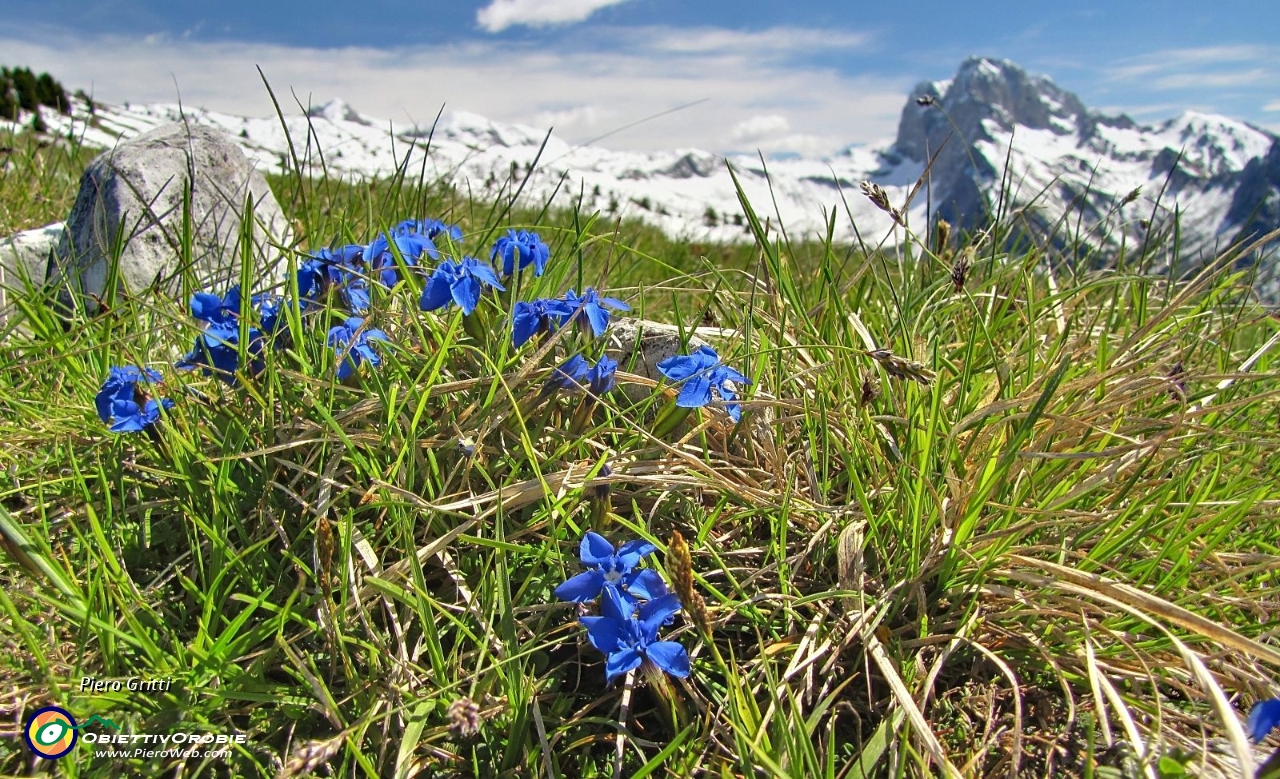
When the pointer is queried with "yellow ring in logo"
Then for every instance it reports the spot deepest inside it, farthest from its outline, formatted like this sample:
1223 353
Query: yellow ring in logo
50 732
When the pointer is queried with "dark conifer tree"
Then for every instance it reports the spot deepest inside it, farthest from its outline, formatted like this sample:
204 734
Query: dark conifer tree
28 88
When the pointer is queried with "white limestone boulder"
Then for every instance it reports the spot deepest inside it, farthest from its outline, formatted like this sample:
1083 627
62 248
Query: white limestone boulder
136 196
24 261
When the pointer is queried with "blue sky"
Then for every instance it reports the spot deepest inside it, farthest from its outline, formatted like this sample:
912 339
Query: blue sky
804 76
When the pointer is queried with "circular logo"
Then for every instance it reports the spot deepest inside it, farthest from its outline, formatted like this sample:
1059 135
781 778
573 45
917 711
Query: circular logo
51 732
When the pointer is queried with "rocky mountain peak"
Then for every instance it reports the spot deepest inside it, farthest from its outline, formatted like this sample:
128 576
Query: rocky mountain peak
337 110
983 90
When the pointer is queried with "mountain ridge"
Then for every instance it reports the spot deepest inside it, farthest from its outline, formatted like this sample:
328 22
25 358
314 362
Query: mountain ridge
993 121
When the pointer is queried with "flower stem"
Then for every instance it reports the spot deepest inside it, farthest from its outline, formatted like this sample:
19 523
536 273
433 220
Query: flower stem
669 418
474 325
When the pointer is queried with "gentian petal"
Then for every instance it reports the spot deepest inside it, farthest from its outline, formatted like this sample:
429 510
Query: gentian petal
601 377
630 553
484 273
646 583
103 401
437 292
620 662
695 393
670 657
568 375
604 633
524 323
1263 718
678 367
584 587
615 605
151 412
466 293
595 550
356 294
127 417
655 612
206 307
598 319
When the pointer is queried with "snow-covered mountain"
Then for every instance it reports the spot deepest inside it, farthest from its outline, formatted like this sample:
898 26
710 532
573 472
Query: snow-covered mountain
1001 128
1053 152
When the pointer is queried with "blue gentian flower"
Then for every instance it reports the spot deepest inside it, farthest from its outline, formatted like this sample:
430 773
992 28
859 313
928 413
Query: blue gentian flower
594 307
312 277
521 247
569 375
412 247
458 282
432 228
224 312
350 343
1263 718
123 405
217 348
700 372
216 352
612 568
538 316
629 636
601 377
343 268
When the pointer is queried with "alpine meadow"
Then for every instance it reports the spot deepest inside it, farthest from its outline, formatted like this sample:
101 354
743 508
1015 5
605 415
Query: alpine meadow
502 481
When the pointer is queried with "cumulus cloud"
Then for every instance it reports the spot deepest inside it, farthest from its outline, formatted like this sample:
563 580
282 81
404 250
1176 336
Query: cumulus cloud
1274 105
801 144
585 117
501 14
759 127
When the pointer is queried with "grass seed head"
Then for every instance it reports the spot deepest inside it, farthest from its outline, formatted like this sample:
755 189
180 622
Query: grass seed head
876 194
464 718
901 367
943 238
324 549
1177 381
680 568
960 270
870 389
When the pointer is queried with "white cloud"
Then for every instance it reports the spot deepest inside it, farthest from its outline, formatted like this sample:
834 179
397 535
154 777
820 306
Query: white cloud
759 127
1204 80
798 143
583 93
501 14
583 117
1196 68
717 40
1274 105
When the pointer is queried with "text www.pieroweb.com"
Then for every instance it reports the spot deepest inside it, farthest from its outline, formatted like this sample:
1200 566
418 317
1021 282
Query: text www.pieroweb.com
169 745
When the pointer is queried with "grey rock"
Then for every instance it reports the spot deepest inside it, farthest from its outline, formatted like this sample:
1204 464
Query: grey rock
1255 213
639 345
134 194
24 261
